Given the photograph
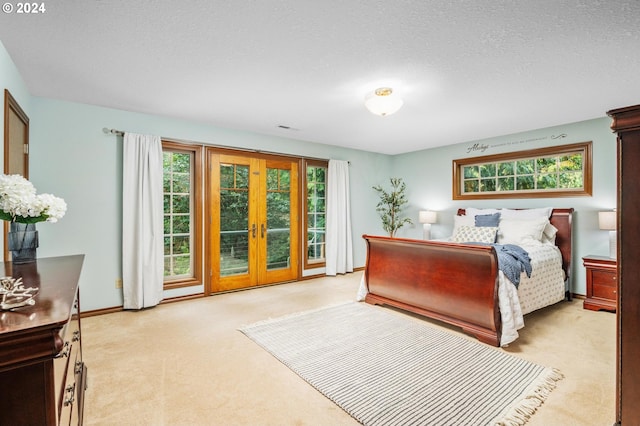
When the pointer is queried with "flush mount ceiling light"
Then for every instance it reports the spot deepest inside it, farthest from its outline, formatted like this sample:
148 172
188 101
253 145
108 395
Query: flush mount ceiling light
383 101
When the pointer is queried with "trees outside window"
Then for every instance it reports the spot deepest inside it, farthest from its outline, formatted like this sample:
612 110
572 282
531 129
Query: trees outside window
182 214
560 171
315 194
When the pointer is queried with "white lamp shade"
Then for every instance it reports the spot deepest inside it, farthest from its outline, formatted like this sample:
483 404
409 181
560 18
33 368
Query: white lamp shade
383 101
427 216
607 220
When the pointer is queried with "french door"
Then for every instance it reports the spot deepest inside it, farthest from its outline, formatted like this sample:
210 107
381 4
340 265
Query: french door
253 227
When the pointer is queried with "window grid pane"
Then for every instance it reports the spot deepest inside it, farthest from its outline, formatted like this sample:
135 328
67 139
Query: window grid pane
178 214
563 171
316 213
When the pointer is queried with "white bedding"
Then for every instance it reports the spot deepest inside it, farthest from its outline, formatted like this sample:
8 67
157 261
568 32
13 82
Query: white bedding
545 287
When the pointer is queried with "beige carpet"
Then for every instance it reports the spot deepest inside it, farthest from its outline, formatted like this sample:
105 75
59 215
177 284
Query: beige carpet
186 363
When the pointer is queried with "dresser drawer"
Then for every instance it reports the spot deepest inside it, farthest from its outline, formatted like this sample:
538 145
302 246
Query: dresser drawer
604 278
607 291
67 364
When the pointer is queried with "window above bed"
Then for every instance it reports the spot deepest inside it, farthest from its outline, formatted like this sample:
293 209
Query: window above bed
559 171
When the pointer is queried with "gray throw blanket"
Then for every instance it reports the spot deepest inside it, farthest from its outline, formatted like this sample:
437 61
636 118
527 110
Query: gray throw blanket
512 261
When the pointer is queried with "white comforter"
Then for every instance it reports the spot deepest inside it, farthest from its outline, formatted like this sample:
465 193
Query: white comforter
545 287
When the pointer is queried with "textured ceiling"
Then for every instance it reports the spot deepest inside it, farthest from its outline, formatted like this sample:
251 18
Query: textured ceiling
466 69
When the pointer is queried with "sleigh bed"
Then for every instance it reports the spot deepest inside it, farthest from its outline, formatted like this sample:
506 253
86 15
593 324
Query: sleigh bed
460 283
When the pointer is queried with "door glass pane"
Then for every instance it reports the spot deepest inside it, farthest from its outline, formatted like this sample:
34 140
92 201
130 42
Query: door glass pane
234 219
278 219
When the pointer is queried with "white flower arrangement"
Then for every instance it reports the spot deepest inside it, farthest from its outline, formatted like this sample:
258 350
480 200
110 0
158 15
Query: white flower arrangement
19 202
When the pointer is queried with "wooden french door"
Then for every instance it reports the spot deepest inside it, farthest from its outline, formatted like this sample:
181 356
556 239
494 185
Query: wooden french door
253 208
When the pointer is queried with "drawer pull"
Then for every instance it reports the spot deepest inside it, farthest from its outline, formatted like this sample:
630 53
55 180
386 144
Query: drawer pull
64 352
613 278
71 394
76 336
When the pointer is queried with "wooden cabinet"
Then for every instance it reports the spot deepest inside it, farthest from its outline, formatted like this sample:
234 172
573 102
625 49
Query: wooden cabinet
42 373
626 123
602 283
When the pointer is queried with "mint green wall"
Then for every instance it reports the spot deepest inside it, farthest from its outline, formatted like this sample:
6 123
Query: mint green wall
11 79
428 175
72 158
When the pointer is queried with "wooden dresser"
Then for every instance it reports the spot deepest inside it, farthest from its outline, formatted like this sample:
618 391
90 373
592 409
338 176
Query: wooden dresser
626 123
42 374
602 283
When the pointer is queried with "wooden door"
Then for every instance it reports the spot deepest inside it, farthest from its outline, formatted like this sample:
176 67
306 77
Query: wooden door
253 227
16 147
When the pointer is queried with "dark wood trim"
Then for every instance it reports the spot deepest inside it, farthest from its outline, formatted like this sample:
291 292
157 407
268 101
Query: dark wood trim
585 147
12 106
626 123
625 119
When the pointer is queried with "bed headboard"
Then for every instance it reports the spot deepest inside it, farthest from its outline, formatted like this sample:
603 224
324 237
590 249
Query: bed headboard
561 219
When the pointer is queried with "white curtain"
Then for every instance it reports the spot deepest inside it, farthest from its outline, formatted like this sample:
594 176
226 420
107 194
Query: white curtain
142 221
339 250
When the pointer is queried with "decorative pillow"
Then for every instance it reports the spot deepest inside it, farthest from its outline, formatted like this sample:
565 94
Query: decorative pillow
527 213
491 220
549 234
464 220
519 231
471 211
475 234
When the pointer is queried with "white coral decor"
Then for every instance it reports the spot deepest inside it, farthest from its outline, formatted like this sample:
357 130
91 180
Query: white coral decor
19 202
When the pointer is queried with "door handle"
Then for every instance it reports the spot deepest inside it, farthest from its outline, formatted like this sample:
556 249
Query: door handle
262 230
253 230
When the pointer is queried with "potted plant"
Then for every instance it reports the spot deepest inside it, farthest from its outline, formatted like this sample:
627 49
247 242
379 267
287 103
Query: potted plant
391 205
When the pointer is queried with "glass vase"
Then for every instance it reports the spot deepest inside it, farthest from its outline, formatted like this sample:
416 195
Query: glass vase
22 241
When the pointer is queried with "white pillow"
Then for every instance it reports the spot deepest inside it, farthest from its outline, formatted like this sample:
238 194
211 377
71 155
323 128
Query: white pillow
519 231
471 211
464 220
475 234
526 213
549 234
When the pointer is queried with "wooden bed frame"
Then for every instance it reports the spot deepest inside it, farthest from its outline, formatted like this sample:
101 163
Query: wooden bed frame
453 283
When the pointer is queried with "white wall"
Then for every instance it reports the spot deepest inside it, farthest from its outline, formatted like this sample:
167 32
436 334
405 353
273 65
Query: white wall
428 175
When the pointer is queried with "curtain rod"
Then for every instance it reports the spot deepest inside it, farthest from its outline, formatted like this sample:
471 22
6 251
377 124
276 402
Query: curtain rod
121 133
113 131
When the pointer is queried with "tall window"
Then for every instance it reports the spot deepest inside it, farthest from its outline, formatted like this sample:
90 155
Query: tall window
182 214
315 185
560 171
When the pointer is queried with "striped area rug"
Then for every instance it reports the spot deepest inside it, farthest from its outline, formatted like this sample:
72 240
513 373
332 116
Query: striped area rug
387 368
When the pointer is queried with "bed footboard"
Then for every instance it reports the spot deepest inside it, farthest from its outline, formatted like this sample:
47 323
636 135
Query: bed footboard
454 283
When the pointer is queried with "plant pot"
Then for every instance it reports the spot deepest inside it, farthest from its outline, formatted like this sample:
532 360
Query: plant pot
22 241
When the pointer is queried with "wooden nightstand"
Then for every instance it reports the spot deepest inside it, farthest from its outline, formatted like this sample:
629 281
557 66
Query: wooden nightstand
602 283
